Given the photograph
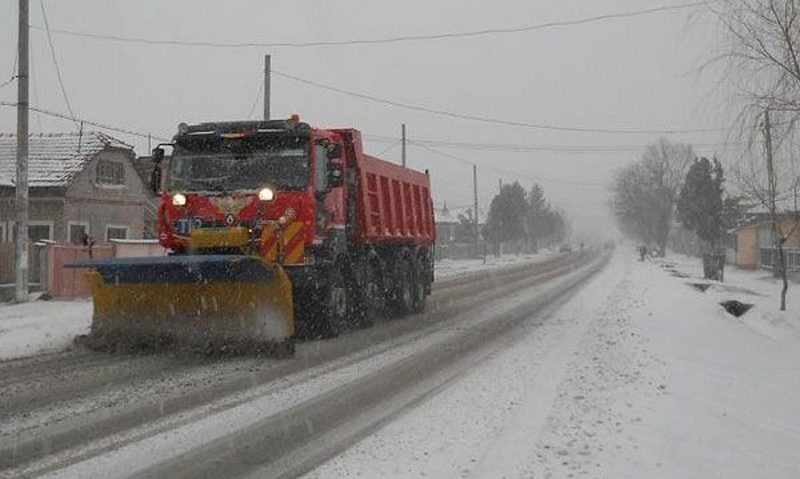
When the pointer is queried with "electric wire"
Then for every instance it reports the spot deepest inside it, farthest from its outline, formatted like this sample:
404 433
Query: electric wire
8 82
513 174
97 124
57 67
35 90
391 147
255 101
387 40
13 71
496 121
532 147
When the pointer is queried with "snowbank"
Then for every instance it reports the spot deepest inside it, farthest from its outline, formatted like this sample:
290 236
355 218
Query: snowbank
759 288
41 326
450 268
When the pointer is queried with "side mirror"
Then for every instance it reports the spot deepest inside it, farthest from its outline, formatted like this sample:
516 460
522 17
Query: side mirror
155 176
158 155
335 174
155 180
334 151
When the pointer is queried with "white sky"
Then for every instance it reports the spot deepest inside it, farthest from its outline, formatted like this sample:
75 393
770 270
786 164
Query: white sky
631 73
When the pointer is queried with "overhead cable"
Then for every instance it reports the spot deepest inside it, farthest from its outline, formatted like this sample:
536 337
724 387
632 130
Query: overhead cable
97 124
55 63
513 174
387 40
496 121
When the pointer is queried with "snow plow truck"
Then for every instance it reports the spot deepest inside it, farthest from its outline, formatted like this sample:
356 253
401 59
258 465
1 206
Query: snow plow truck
273 228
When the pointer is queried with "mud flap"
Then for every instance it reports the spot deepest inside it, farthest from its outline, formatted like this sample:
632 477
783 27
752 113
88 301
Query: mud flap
217 303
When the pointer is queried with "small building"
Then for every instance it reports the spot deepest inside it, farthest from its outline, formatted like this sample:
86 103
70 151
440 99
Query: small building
446 224
82 185
754 243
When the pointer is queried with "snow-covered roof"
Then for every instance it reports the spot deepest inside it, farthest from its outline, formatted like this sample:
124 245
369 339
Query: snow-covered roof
54 158
444 215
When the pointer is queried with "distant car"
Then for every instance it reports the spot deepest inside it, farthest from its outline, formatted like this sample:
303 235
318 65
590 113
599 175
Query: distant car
565 248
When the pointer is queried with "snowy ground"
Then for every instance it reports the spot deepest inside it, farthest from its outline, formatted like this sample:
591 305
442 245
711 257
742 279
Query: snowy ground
449 268
41 326
46 326
639 375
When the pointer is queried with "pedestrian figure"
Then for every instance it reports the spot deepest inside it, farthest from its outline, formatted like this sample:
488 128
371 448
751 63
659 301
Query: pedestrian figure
642 252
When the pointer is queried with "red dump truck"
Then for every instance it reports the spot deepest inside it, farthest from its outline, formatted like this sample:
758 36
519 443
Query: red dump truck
272 226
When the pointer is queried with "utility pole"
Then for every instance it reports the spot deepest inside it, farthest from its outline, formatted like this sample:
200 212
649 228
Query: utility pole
267 86
403 136
21 255
475 204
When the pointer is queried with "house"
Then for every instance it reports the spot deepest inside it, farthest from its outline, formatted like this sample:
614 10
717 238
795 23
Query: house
446 224
81 185
754 243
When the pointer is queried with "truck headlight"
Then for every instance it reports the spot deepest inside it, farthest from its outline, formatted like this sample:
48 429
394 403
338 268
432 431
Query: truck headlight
179 199
266 194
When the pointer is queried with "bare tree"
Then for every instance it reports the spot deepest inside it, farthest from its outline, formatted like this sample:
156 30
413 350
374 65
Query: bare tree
764 41
646 192
765 35
775 188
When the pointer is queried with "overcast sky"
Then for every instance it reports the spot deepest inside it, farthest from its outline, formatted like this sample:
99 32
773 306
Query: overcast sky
637 73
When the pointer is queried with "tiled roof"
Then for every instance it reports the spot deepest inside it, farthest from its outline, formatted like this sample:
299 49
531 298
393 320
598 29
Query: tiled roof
54 158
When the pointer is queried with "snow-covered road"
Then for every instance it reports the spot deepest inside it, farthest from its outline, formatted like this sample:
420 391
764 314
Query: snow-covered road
639 375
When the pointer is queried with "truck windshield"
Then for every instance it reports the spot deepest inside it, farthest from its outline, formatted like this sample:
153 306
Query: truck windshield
284 166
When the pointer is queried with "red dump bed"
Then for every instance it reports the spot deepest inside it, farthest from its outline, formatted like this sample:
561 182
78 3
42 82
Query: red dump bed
397 206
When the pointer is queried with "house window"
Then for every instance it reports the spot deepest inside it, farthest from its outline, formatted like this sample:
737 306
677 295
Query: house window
110 173
40 230
116 233
78 232
37 231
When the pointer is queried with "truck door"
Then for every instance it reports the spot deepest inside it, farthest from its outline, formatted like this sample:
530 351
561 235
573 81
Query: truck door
330 189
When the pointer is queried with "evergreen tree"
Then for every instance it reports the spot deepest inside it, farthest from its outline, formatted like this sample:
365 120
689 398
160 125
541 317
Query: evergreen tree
700 204
700 209
507 214
537 218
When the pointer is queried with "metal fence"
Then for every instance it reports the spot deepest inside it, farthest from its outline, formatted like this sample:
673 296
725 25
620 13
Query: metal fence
768 258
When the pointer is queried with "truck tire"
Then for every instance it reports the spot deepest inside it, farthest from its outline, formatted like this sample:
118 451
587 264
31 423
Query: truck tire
404 287
334 304
418 287
370 297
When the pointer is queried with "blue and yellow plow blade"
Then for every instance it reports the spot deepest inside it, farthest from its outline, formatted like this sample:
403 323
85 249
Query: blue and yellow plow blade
217 303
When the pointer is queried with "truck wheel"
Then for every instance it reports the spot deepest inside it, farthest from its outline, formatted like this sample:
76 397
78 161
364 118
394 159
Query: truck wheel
404 287
370 297
418 288
334 304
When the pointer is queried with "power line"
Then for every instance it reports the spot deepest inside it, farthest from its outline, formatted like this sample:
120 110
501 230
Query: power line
8 82
496 121
513 174
97 124
388 40
255 101
391 147
13 71
532 147
55 63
